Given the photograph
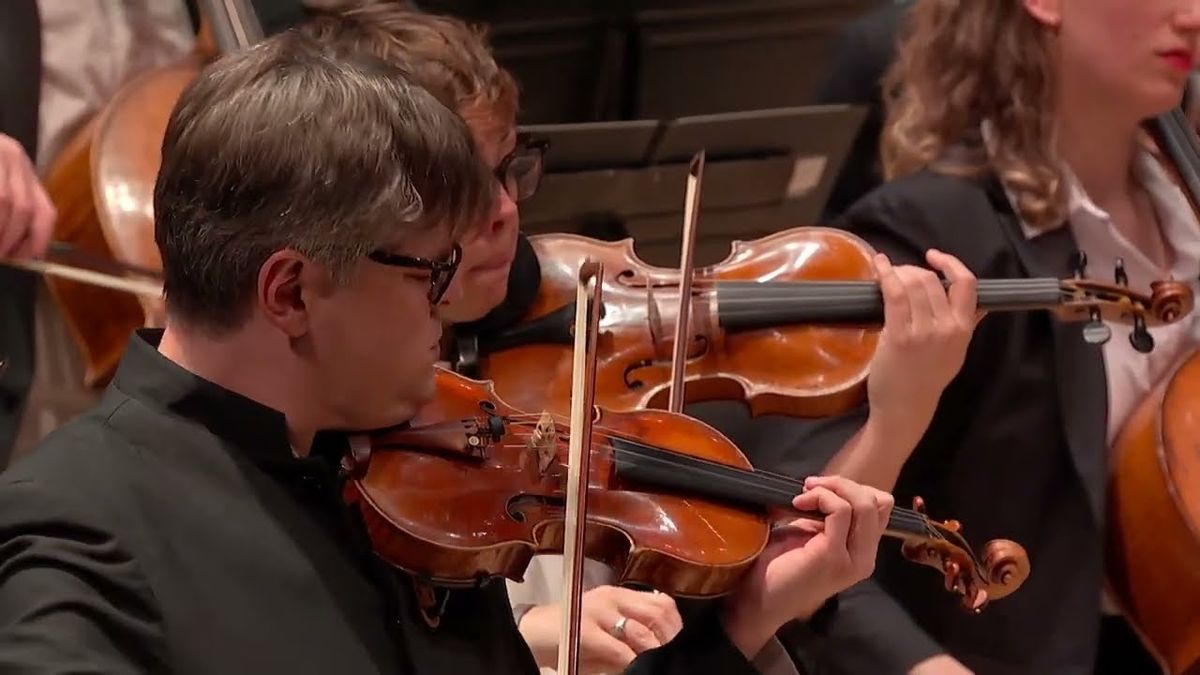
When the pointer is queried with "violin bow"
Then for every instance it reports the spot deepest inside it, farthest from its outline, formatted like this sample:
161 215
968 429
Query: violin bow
683 316
583 390
144 287
587 299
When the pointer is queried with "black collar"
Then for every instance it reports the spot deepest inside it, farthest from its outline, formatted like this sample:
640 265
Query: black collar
257 431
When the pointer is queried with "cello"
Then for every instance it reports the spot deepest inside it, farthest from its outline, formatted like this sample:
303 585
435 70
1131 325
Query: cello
1153 533
102 184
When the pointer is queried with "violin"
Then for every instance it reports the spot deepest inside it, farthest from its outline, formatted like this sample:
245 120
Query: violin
1153 532
804 297
664 500
672 503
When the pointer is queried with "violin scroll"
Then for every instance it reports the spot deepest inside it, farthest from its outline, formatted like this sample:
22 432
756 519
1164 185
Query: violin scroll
1084 299
1170 300
1007 565
1004 568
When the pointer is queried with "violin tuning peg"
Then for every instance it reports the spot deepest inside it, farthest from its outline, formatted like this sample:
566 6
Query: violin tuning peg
979 601
1140 337
953 576
1096 332
1079 263
1119 274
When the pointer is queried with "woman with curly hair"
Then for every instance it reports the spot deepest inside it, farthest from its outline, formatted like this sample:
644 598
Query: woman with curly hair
1016 138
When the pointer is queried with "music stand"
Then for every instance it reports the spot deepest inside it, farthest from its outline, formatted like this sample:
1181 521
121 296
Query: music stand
765 170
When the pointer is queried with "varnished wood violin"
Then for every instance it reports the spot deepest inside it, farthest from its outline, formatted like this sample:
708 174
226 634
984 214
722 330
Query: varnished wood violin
787 323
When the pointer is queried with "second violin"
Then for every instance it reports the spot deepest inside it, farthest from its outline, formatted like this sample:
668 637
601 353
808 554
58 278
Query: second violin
787 323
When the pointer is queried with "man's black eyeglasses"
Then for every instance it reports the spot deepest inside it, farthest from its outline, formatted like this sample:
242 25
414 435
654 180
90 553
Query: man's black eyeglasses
441 272
520 172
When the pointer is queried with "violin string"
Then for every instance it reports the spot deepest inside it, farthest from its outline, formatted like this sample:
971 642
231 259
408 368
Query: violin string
526 423
564 438
834 294
736 304
746 298
617 434
903 515
850 284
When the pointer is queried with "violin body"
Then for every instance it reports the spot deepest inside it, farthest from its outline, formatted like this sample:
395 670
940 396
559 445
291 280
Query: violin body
1154 520
804 369
787 324
457 511
472 488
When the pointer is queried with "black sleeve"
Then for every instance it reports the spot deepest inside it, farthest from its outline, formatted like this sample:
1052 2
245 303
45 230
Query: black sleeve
906 218
867 632
701 647
71 599
870 632
891 221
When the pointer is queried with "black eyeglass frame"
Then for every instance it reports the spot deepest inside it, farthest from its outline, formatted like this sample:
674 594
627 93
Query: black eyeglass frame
526 145
441 272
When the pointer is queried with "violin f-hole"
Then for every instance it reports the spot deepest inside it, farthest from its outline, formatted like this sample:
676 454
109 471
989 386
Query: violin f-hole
699 348
520 505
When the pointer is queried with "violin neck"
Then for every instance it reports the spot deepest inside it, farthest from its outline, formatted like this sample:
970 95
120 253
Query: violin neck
757 305
636 463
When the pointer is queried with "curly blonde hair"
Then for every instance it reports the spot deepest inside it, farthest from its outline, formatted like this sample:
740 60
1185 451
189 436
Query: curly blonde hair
450 58
961 63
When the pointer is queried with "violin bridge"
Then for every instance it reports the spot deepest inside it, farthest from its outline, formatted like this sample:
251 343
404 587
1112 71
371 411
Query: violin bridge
544 442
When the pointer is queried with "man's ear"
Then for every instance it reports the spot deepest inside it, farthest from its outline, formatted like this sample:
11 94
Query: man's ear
1047 12
281 291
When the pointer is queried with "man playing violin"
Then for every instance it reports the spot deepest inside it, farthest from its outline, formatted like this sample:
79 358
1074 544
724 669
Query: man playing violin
924 337
193 521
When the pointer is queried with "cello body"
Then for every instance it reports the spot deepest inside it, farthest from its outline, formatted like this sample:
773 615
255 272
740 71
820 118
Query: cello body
126 156
102 184
1153 530
1153 547
99 319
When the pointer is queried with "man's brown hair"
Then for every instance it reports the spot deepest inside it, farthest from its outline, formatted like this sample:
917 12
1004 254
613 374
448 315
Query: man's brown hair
289 145
444 55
